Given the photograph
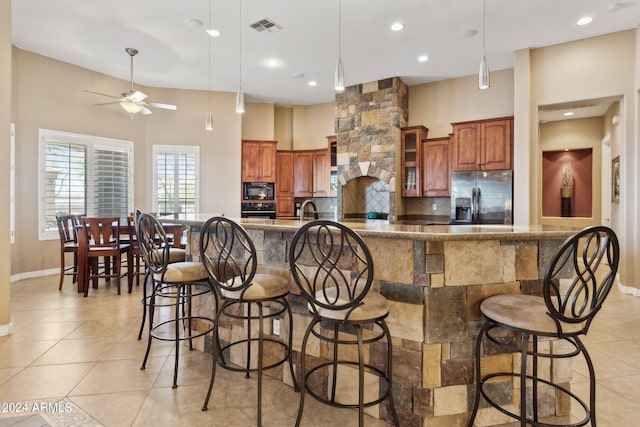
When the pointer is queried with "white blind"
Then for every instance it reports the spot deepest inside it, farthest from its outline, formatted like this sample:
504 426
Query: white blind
176 175
110 172
82 174
65 180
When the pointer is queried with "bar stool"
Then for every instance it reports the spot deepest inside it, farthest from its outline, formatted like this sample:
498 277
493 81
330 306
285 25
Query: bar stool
175 285
175 255
576 282
229 256
333 268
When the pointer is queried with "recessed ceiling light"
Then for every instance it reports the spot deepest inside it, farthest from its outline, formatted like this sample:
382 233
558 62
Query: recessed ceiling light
584 20
423 58
312 83
193 22
272 62
213 32
397 26
568 114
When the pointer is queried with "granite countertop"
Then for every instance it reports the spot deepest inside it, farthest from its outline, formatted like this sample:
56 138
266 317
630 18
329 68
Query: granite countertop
382 228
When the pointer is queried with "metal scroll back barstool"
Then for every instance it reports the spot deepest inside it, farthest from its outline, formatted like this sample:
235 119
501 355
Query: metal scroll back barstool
333 268
576 282
175 255
175 285
230 258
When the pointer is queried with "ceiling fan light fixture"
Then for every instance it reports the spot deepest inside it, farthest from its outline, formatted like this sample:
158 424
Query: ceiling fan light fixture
131 107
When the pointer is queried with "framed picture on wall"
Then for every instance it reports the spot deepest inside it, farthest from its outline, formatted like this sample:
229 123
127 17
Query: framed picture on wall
615 180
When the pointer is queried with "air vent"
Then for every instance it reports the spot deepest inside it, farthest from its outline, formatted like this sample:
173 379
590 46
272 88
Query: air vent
265 24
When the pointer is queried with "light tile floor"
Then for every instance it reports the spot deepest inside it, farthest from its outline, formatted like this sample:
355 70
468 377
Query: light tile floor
78 360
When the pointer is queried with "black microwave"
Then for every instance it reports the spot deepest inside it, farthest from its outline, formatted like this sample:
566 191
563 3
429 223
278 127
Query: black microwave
258 191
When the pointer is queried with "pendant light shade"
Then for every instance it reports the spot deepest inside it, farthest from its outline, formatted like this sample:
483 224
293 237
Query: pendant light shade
208 121
208 118
484 81
339 75
240 94
240 101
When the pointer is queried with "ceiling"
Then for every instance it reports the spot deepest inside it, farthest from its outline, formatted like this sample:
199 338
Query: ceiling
174 50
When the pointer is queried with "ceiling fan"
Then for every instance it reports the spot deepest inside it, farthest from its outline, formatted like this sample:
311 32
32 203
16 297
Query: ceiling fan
134 101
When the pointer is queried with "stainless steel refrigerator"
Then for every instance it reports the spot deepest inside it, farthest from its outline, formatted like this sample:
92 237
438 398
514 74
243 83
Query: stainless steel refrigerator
482 197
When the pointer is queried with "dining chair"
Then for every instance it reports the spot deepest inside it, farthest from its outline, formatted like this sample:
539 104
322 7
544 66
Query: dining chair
103 240
576 283
175 286
334 271
248 297
68 244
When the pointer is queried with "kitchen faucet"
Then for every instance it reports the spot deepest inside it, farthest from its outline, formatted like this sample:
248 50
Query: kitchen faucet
313 206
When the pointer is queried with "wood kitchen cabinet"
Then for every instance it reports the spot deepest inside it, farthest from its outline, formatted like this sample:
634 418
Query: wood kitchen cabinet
284 184
333 165
482 145
321 170
411 138
435 167
303 173
311 173
259 161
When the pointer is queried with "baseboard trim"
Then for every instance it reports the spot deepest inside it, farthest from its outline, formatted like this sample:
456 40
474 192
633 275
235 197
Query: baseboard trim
34 274
6 329
628 290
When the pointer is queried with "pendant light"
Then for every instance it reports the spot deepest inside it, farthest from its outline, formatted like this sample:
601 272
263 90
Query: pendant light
339 75
208 120
240 94
483 73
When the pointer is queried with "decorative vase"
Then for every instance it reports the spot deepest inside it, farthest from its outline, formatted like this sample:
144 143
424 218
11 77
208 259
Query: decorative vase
565 201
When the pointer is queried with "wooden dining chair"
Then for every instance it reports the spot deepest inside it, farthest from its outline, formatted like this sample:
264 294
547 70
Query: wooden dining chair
68 244
103 240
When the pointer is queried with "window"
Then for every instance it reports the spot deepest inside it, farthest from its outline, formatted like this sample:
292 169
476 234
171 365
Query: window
82 174
175 175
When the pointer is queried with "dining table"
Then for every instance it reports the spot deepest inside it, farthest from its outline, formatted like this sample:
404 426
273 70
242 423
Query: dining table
123 230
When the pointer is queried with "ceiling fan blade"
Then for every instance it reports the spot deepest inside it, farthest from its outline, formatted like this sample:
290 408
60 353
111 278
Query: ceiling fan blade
145 111
138 96
108 103
103 94
164 106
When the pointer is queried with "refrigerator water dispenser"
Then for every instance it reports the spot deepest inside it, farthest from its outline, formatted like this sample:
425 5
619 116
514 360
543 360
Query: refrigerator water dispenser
463 209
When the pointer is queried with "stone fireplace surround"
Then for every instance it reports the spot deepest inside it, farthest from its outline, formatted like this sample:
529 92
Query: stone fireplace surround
369 117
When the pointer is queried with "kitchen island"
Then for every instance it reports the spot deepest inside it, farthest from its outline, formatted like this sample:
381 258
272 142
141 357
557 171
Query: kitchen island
434 278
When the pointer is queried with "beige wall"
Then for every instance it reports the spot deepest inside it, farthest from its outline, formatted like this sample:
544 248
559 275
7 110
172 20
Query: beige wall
312 124
283 127
572 135
258 121
593 68
5 121
437 105
51 94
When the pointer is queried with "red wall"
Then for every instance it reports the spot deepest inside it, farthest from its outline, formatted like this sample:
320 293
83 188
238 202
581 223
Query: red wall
553 162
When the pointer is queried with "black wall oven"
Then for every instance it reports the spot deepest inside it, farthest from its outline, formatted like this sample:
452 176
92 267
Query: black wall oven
258 210
258 191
